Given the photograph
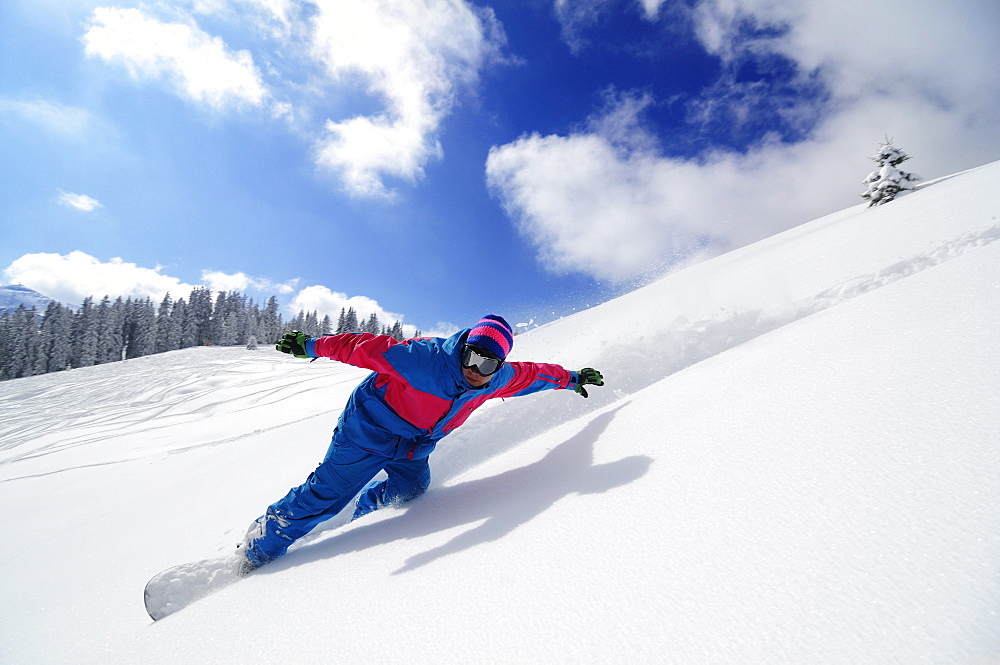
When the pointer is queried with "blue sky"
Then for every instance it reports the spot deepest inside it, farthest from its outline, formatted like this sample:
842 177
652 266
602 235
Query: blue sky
435 160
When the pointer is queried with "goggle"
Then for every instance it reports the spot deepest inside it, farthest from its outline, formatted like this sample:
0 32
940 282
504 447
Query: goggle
476 359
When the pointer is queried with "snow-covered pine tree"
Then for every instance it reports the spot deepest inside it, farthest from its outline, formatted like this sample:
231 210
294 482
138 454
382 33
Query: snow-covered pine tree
140 328
110 330
351 324
888 180
199 317
185 325
19 344
217 327
55 339
270 321
397 331
311 326
85 331
164 325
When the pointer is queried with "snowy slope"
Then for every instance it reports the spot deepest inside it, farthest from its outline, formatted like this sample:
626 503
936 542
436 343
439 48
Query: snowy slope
795 460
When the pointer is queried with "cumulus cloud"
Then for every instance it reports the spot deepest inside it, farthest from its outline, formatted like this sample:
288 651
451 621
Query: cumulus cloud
78 201
594 207
199 66
612 209
215 280
382 75
414 56
72 277
326 302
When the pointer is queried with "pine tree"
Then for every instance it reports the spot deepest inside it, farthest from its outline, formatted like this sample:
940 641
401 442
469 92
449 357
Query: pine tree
163 325
270 321
199 317
110 323
186 324
140 328
254 322
311 326
55 339
174 325
241 318
887 181
5 353
22 343
85 335
217 326
351 324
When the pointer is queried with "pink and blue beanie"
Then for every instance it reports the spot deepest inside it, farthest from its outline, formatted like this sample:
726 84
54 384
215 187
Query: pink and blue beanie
492 334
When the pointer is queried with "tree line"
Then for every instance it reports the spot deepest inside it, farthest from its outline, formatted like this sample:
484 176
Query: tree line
60 338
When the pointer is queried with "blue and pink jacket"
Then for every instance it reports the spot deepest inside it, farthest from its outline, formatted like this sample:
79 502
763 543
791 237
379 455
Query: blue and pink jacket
417 394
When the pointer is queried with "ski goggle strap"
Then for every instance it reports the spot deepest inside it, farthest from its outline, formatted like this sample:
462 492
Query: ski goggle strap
476 359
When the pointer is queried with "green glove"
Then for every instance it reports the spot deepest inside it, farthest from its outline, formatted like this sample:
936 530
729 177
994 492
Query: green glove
587 376
294 343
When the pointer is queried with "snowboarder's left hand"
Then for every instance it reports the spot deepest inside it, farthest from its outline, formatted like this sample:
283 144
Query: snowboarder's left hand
587 376
293 343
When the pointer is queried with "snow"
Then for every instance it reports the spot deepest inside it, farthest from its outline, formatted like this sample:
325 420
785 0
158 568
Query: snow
13 295
795 460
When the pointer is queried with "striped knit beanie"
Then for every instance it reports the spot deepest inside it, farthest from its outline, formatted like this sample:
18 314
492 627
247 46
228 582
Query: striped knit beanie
492 334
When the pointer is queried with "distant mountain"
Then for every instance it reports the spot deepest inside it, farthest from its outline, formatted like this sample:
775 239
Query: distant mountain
13 295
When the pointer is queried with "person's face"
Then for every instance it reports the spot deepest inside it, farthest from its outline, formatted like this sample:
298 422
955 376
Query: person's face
475 357
475 379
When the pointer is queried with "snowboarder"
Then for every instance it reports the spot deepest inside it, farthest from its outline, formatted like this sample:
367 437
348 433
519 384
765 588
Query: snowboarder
420 390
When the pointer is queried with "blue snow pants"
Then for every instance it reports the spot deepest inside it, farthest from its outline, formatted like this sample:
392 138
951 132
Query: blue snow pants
345 471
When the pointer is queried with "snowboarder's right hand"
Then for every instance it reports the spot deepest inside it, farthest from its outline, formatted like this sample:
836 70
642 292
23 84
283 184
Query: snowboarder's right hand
294 343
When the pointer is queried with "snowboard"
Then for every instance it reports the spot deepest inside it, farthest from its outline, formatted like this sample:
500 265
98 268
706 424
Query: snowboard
176 588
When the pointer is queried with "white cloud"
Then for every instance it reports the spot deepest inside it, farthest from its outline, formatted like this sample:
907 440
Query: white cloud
78 201
72 277
280 13
220 281
414 56
326 302
595 208
595 204
55 118
575 16
379 75
200 67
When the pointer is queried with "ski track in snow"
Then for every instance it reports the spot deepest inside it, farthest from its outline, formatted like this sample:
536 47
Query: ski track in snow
151 400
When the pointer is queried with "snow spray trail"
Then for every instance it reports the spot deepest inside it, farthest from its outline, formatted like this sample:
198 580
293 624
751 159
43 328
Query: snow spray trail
643 359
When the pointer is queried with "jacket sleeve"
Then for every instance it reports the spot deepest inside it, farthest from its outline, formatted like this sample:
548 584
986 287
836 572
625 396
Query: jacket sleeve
534 377
359 349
